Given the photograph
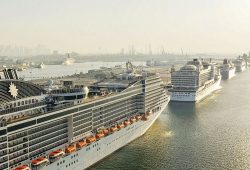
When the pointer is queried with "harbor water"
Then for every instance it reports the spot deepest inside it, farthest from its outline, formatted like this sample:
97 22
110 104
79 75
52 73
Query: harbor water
212 134
65 70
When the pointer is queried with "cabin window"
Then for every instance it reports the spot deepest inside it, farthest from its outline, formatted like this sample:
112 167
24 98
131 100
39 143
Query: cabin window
79 96
26 101
70 97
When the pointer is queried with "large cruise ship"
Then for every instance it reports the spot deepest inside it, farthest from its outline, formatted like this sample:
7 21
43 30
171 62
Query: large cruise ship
240 65
194 81
227 69
72 128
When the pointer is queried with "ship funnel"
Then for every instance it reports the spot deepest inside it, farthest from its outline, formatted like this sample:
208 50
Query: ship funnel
86 91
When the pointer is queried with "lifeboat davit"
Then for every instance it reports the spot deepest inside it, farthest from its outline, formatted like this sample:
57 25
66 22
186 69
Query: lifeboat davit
90 139
132 119
55 155
22 167
113 129
127 122
120 126
70 149
81 144
99 135
138 117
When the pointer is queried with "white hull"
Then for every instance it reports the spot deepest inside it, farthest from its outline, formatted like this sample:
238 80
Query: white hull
240 68
41 66
96 151
186 96
228 74
69 62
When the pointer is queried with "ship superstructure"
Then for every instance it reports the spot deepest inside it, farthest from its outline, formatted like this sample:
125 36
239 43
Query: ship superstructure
194 81
240 64
227 69
73 128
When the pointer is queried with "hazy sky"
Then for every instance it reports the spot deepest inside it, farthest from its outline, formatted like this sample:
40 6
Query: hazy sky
89 26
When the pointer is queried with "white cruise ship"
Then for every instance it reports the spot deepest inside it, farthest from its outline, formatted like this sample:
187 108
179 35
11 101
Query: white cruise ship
194 81
227 70
240 65
73 128
69 60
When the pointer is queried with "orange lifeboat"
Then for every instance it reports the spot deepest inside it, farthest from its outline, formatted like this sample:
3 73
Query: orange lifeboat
99 135
120 126
70 149
39 163
113 129
145 117
81 144
90 139
138 117
148 113
55 155
105 132
22 167
127 122
132 119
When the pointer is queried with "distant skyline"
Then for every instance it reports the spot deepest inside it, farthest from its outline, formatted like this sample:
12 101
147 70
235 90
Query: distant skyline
94 26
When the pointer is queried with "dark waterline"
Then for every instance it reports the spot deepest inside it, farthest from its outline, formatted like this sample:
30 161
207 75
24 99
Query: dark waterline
213 134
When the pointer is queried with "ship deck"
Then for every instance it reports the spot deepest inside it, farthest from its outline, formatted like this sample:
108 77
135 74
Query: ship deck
60 107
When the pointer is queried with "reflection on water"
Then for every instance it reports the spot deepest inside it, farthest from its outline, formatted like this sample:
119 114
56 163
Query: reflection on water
212 134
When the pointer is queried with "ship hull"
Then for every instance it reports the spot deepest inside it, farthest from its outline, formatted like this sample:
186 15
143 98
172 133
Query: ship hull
96 151
228 74
240 68
195 96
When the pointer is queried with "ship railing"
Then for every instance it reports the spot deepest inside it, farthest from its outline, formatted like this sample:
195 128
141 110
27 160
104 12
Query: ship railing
60 107
22 108
67 90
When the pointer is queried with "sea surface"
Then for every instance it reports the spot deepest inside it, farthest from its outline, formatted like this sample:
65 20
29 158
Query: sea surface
211 135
